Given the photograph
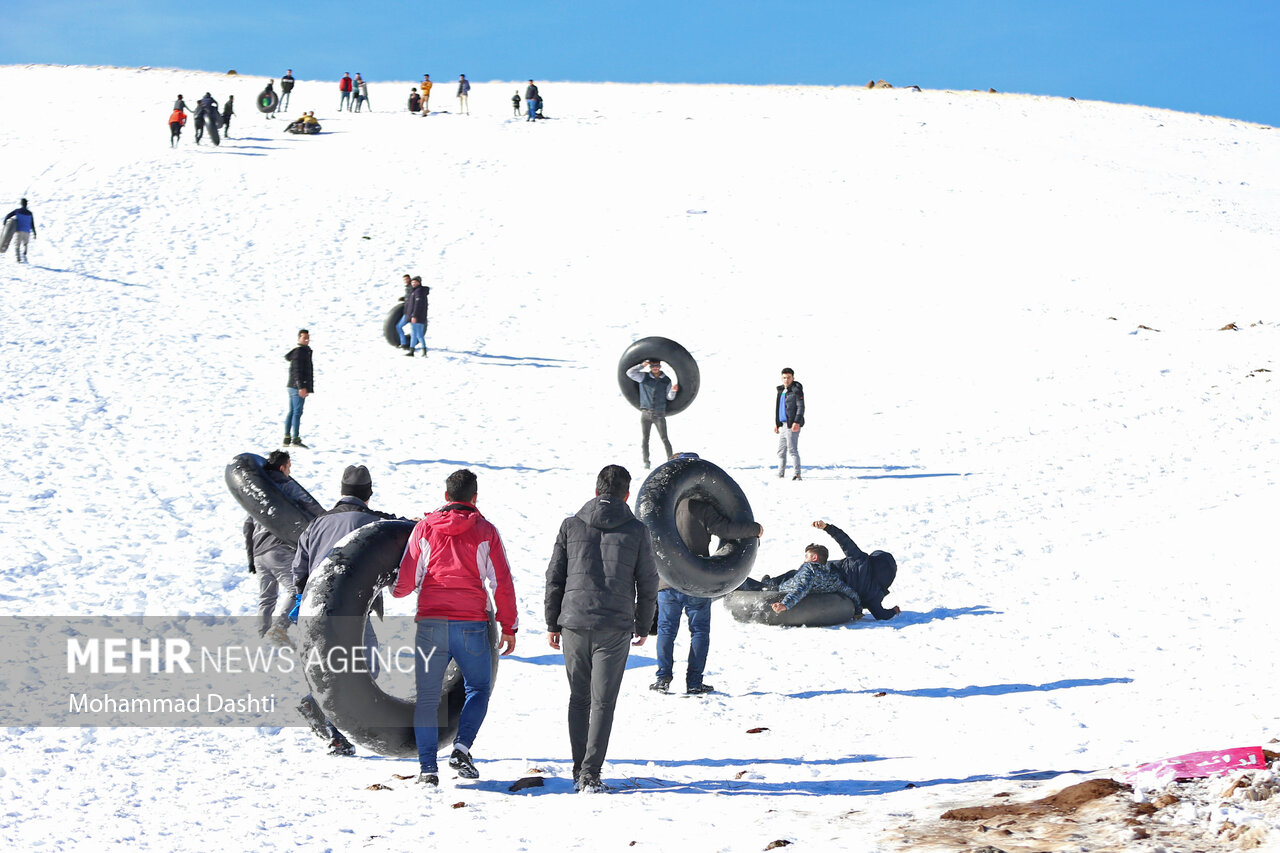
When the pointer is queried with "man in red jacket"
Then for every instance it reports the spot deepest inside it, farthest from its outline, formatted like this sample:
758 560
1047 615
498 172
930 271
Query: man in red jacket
344 88
456 563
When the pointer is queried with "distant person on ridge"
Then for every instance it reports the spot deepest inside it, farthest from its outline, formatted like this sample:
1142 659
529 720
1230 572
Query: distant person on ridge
344 88
177 119
464 89
415 100
426 94
227 112
361 91
531 100
286 86
515 103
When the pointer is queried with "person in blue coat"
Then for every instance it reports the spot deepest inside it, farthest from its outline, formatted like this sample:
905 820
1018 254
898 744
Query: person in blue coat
24 229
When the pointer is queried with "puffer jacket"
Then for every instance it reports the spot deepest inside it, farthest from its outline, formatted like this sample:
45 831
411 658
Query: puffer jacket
456 563
602 575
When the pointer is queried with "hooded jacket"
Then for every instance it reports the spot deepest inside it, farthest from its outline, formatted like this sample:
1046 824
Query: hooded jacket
602 575
456 563
869 575
416 303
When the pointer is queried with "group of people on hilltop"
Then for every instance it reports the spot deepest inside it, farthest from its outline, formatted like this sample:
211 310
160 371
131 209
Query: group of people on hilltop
205 113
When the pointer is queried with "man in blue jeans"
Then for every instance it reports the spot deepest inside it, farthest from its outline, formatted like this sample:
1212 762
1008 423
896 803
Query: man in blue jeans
456 564
697 520
300 387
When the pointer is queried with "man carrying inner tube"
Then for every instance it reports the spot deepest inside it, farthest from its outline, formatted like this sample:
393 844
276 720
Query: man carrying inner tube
655 392
456 563
271 558
867 576
350 512
697 520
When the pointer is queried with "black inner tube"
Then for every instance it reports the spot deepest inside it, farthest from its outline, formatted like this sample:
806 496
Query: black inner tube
247 479
669 352
268 100
817 610
671 482
339 596
391 325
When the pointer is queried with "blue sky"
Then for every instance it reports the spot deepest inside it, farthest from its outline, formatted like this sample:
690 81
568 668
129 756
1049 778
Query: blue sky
1218 58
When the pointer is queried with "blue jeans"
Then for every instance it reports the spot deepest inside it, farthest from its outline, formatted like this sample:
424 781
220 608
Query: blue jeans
404 339
344 101
670 605
294 418
418 336
466 643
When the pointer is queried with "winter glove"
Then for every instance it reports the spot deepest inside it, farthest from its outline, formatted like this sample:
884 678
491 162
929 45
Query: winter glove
293 614
253 570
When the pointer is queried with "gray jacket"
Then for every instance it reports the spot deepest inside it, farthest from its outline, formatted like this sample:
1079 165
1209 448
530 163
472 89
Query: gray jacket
698 520
264 547
602 575
326 531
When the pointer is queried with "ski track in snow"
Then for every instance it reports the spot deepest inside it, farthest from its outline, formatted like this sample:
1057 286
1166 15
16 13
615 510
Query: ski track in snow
1078 505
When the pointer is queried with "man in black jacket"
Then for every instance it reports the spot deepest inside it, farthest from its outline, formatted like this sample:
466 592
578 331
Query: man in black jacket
869 575
271 558
788 412
300 387
601 587
697 520
415 309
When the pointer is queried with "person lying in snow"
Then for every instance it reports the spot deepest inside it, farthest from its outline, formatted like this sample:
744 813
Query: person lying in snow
865 578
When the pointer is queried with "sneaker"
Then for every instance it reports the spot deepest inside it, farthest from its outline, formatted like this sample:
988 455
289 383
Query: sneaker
781 474
287 441
662 685
590 783
341 746
700 690
461 761
278 636
429 779
297 442
796 477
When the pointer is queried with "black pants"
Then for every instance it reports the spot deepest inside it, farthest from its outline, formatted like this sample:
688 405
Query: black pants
595 662
650 418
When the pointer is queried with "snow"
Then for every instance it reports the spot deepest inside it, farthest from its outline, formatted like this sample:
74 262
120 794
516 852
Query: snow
961 280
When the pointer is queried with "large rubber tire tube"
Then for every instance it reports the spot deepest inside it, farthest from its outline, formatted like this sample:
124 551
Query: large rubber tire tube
268 100
247 479
683 570
391 325
670 352
337 602
813 611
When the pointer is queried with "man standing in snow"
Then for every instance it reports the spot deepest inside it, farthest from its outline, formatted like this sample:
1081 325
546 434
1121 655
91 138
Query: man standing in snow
286 86
697 520
601 587
349 513
415 308
344 87
271 558
656 391
426 94
531 100
464 89
788 412
300 386
24 229
457 565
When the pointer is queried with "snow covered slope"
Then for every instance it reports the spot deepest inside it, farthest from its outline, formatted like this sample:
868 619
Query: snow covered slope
1007 312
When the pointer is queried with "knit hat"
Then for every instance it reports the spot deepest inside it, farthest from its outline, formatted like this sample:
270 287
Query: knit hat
357 482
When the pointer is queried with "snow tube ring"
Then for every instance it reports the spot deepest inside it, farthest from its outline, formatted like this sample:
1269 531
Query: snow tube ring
820 610
247 479
683 570
268 100
338 598
670 352
391 325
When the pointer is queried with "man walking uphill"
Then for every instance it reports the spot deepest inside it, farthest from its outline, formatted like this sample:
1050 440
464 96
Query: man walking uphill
456 563
23 229
601 587
788 412
300 387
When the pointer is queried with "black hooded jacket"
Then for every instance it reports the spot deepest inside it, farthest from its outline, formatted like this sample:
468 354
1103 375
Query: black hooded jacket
602 575
299 359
